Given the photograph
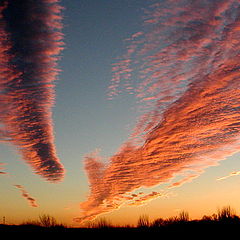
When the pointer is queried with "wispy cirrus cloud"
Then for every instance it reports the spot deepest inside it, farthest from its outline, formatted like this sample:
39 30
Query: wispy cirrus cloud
32 201
187 68
146 198
187 178
232 174
30 42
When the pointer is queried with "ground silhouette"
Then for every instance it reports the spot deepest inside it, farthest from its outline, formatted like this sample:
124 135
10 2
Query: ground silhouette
224 223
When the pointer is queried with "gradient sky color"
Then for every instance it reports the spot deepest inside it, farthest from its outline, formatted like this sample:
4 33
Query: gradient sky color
85 120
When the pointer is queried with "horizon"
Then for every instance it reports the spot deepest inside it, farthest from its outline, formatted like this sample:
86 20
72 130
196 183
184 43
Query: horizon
223 215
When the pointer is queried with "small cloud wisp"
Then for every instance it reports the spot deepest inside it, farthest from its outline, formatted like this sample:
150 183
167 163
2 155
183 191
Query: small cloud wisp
2 169
232 174
32 202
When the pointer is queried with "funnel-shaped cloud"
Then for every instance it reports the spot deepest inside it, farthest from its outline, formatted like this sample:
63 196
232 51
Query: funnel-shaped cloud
30 40
186 61
32 202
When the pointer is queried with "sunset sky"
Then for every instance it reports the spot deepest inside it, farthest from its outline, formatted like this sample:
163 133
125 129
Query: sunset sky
144 118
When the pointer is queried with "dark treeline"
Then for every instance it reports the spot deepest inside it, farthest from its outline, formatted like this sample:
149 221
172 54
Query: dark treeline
224 222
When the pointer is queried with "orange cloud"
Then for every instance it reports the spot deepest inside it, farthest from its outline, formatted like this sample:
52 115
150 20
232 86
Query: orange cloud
30 43
2 172
146 198
189 64
230 175
179 183
25 194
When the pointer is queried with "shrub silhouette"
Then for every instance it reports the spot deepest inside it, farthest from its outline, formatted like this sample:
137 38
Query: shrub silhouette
100 223
143 221
47 221
224 221
183 216
226 213
171 220
206 218
159 222
31 223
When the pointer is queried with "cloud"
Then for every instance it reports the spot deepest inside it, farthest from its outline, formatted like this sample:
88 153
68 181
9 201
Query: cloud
4 136
25 194
187 63
229 175
2 169
30 42
146 198
179 183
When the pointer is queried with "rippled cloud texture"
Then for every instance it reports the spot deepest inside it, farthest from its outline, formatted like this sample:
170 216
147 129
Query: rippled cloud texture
30 41
183 66
32 202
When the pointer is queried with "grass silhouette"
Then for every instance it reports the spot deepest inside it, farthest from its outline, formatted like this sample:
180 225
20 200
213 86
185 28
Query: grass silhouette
143 221
225 221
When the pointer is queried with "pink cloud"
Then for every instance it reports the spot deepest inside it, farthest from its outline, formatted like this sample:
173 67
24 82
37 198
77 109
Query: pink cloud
189 68
29 47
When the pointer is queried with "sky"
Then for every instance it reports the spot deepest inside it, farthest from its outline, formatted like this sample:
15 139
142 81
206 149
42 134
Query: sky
118 108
